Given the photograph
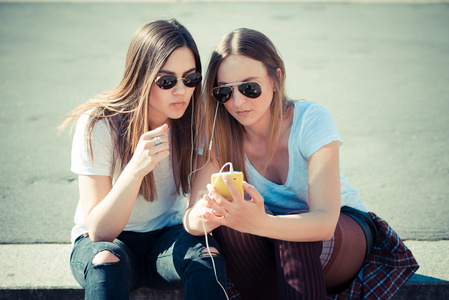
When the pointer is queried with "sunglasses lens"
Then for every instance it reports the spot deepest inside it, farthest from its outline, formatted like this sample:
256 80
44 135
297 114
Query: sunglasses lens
192 80
166 82
250 89
222 93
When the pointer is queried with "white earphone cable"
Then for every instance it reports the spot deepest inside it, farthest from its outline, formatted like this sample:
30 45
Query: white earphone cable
190 189
189 178
205 230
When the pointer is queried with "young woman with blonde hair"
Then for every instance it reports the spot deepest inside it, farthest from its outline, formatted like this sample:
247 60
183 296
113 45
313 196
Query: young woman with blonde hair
301 230
132 151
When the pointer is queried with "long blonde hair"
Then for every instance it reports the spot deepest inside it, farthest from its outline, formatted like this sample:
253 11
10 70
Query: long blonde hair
229 133
126 106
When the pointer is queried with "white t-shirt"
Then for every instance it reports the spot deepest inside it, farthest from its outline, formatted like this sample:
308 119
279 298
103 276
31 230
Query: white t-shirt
312 128
146 216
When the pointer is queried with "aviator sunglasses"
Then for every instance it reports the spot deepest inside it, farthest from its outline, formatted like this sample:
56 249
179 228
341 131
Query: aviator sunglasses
248 89
167 82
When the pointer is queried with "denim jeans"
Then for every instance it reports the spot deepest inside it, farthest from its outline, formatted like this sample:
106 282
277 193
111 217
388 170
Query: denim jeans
169 258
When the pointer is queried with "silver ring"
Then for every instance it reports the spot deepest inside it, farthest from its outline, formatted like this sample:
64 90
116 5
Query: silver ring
157 140
225 216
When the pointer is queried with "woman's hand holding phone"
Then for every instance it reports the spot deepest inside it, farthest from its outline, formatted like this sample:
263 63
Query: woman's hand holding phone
236 212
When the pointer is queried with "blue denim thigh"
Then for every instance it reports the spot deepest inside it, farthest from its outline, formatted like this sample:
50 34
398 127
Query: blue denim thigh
108 280
180 260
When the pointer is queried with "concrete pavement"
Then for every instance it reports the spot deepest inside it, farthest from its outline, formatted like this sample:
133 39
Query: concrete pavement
42 272
381 69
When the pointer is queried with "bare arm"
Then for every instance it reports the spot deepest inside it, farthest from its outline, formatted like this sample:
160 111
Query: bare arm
199 210
107 208
316 225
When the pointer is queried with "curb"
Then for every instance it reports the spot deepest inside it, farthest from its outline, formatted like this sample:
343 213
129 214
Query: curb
42 271
411 290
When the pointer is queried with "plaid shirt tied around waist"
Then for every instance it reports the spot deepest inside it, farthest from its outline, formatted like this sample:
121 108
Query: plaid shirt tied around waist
387 267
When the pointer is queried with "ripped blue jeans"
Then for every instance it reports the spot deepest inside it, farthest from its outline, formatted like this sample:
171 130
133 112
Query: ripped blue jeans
169 258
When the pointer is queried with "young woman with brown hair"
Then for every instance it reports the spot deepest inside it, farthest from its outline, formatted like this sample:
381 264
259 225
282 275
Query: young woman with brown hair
132 151
301 231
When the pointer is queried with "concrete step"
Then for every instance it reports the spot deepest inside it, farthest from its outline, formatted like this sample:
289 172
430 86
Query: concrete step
42 271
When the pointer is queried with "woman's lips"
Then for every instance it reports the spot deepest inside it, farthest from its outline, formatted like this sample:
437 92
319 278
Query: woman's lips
243 112
178 104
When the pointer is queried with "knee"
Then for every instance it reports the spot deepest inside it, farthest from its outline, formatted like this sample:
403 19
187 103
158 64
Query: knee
212 251
104 257
196 247
205 259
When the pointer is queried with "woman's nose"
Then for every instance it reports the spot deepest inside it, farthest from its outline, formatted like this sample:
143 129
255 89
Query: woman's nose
179 88
238 98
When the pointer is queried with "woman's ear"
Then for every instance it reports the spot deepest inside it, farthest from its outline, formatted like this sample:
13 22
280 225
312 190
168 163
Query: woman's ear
279 71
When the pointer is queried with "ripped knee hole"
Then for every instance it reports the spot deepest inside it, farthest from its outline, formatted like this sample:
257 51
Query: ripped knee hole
104 257
212 250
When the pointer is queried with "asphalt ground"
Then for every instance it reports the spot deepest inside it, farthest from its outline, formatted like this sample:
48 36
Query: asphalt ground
381 69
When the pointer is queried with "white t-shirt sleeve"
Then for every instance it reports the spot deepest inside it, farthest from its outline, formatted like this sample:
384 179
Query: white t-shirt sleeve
318 128
102 147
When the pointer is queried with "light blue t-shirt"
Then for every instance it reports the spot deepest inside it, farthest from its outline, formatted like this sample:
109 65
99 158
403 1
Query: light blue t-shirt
313 127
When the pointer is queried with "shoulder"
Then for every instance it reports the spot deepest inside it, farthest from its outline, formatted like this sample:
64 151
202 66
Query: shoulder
313 127
308 106
305 110
97 136
86 120
92 149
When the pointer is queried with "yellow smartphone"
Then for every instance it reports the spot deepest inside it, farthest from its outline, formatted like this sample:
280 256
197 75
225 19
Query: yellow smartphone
220 186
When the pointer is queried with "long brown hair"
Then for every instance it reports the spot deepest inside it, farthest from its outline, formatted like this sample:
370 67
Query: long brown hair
229 133
126 106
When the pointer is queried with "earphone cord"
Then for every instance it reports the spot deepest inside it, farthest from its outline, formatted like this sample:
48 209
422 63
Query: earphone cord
188 180
205 231
191 144
211 256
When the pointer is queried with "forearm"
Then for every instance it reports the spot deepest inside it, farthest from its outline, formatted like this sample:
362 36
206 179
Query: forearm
317 225
108 218
196 224
196 220
191 224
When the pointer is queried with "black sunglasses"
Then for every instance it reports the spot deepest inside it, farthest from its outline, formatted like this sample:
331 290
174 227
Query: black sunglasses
167 82
248 89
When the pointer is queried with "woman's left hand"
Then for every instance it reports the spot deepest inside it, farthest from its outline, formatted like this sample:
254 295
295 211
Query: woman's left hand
237 213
